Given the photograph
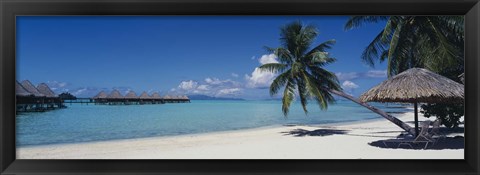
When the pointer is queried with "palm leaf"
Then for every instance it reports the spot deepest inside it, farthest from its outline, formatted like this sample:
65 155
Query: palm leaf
273 67
357 21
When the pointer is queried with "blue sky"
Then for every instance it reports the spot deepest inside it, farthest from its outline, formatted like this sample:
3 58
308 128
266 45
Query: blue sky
209 55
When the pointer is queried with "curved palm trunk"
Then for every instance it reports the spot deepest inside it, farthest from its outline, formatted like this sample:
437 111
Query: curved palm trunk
394 120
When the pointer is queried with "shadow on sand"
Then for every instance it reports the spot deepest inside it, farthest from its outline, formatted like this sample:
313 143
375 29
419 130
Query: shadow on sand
457 142
317 132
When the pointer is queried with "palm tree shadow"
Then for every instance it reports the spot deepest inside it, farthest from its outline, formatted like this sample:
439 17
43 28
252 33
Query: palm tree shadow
457 142
317 132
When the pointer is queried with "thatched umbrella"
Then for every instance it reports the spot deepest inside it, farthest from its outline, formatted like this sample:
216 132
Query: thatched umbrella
44 89
415 86
131 95
115 94
31 89
20 90
462 77
101 94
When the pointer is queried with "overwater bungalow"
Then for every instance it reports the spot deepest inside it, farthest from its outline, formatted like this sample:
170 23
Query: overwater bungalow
176 99
101 95
131 98
31 88
144 95
115 98
100 98
35 99
51 100
153 99
155 95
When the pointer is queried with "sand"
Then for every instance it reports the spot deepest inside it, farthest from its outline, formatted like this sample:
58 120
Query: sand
358 140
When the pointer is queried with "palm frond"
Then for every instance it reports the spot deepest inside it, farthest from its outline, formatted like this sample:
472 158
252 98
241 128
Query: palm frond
374 50
279 81
357 21
273 67
283 55
288 96
303 93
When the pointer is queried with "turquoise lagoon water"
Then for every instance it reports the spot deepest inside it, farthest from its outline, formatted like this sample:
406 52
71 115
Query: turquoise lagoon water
83 123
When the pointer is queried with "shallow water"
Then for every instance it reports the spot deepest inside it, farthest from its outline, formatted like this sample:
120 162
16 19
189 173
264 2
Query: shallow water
82 123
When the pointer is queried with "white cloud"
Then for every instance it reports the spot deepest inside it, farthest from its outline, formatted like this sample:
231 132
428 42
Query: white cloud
347 76
79 91
211 86
377 73
268 59
259 79
234 75
230 91
58 87
203 87
217 82
188 85
348 85
214 81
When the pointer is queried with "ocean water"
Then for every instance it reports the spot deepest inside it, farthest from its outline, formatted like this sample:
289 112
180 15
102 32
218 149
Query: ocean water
84 123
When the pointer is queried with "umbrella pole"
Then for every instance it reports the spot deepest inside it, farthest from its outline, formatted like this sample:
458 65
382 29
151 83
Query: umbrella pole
416 118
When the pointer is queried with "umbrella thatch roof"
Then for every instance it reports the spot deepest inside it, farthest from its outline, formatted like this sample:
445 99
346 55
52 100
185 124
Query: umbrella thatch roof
155 96
416 85
31 89
462 77
115 94
144 95
44 89
20 90
101 94
131 94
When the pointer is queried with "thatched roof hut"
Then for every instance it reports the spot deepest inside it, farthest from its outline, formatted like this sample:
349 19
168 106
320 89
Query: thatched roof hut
20 90
101 94
155 95
144 95
416 85
115 94
167 97
31 89
44 89
131 94
184 97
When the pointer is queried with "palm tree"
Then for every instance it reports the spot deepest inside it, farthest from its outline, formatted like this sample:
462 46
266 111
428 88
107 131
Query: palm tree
432 42
301 72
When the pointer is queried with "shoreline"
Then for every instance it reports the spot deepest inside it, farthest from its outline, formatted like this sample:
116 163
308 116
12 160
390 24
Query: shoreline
333 141
224 131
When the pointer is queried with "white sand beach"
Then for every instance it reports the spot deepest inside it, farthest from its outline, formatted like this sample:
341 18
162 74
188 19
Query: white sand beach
332 141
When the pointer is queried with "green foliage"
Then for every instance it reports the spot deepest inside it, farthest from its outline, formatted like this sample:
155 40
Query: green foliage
449 113
432 42
301 68
67 96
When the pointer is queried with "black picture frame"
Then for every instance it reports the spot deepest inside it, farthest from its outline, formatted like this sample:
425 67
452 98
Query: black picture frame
11 8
